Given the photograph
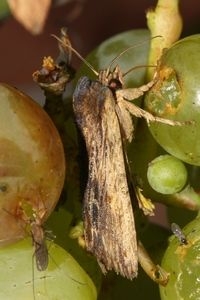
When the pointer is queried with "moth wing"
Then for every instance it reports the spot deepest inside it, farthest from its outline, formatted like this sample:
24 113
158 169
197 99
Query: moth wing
108 216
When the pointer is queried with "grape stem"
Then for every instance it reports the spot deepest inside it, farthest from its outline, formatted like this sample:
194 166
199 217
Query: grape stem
164 20
188 198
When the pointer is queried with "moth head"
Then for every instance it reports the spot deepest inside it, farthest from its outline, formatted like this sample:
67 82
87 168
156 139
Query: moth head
112 78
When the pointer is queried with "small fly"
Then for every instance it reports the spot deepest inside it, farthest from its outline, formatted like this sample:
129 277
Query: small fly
41 254
40 246
179 234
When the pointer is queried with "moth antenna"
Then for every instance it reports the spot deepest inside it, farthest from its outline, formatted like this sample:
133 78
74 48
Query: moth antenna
137 67
127 49
64 37
77 54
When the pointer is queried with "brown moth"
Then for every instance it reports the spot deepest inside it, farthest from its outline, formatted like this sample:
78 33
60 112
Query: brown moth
109 228
105 123
103 115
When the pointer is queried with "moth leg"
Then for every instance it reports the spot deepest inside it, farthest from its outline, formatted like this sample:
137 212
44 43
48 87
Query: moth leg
155 272
134 93
141 113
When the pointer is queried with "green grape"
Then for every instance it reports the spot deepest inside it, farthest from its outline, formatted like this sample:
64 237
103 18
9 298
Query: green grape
32 162
167 174
182 261
63 279
175 96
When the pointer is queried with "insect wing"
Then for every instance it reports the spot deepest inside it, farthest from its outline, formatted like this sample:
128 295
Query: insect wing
39 243
41 256
108 217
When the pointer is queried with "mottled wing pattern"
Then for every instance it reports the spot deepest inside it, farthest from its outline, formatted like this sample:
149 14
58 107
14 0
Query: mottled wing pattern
108 216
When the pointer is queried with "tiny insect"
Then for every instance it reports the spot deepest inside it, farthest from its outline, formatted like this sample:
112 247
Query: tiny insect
39 243
33 218
179 234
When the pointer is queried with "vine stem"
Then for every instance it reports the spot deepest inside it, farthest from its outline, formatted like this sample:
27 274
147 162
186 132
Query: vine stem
164 21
